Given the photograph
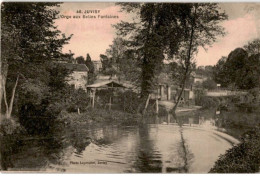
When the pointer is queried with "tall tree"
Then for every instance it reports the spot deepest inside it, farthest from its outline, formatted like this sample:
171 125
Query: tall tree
170 28
29 41
220 71
123 60
253 47
238 70
108 65
147 37
91 67
201 29
80 60
104 61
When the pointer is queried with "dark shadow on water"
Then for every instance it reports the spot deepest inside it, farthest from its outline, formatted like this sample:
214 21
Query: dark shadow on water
148 160
38 152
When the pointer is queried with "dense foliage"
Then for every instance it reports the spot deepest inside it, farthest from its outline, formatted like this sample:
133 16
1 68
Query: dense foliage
242 158
241 69
99 115
31 81
156 36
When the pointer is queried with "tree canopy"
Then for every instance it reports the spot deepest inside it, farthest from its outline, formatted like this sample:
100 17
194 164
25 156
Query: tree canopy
169 31
30 42
239 70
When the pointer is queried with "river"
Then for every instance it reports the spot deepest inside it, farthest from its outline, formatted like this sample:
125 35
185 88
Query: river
147 148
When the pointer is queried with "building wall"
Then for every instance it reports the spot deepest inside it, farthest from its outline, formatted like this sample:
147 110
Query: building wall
78 79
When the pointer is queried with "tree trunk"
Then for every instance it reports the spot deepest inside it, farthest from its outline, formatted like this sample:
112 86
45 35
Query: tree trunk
3 74
6 104
182 89
187 62
9 112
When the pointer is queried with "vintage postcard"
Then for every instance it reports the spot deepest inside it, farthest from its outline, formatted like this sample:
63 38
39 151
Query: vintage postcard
110 87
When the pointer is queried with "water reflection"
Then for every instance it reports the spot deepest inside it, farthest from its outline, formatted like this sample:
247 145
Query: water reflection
160 146
148 157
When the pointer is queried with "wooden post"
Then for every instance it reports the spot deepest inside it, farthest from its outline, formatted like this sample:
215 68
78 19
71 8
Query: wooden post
162 91
93 98
109 106
157 106
168 117
147 101
168 92
110 98
124 100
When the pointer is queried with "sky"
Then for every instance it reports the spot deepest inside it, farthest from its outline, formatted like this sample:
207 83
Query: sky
94 35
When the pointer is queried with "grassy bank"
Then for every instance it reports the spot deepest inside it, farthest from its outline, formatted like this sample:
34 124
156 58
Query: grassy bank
92 116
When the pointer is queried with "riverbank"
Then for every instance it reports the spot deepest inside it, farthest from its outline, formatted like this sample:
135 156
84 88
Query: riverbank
95 116
80 130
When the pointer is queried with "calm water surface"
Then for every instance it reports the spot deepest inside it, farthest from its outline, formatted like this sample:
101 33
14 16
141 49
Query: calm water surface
114 149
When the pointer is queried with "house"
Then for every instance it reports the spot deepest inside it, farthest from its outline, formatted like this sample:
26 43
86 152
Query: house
198 78
79 76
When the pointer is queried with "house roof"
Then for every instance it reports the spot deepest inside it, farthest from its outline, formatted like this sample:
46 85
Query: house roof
104 84
111 83
75 67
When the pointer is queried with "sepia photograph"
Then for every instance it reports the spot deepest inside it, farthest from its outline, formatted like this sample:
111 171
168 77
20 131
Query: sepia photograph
130 87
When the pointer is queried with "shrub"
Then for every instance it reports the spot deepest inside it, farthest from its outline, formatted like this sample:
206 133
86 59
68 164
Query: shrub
247 107
242 158
9 127
77 99
34 118
209 84
10 138
207 102
129 101
98 115
54 109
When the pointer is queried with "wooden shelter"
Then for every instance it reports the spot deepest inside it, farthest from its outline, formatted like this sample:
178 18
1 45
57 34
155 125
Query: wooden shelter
111 84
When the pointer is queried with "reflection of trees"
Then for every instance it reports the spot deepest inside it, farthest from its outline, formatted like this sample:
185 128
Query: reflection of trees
80 141
147 159
105 135
9 146
185 152
31 152
178 119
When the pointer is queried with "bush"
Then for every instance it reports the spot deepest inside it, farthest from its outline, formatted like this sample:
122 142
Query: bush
10 138
255 93
98 115
129 101
247 107
235 119
209 84
242 158
10 127
207 102
54 109
35 119
77 99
